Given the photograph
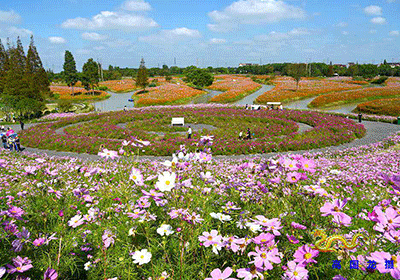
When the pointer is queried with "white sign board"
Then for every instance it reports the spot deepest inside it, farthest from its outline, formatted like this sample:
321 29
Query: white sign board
178 121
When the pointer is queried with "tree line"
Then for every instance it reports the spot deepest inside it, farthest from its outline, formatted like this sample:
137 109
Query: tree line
24 84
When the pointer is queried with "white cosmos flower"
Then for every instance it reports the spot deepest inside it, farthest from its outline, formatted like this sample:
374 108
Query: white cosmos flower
136 176
88 265
220 216
165 230
166 181
141 257
131 232
253 227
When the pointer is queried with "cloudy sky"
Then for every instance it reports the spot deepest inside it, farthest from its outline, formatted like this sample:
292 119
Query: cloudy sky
205 32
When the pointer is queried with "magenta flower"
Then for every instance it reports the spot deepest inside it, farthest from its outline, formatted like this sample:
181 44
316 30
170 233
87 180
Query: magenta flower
388 220
295 272
50 274
263 238
293 177
108 238
216 274
263 258
292 239
381 257
250 273
308 165
334 209
39 241
19 265
298 226
305 255
210 238
15 212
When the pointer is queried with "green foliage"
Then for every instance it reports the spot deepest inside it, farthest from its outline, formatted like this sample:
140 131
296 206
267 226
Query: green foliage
90 75
70 72
142 79
35 70
198 77
296 71
64 105
380 80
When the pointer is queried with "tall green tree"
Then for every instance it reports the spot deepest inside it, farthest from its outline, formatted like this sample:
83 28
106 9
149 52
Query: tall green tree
296 71
142 80
35 69
198 77
70 73
90 74
3 66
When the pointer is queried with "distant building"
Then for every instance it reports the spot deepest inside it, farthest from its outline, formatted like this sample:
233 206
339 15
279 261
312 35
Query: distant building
248 64
350 64
340 65
394 64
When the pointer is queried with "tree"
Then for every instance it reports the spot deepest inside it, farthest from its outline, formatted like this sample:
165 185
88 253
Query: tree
141 79
3 66
70 73
34 69
198 77
296 71
90 74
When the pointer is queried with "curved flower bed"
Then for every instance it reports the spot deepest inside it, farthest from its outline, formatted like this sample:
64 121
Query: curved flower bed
234 88
64 92
285 89
388 107
272 130
200 219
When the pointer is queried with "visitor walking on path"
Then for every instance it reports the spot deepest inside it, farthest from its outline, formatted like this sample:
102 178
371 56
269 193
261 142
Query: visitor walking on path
190 133
22 124
359 117
240 135
17 144
248 136
4 140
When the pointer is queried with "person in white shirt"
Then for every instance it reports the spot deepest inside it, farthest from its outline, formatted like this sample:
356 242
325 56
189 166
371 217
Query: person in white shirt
190 133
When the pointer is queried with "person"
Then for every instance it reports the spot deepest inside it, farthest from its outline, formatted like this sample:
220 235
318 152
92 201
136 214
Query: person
190 133
2 128
247 107
22 124
17 144
248 137
4 140
125 108
10 143
359 117
240 135
280 107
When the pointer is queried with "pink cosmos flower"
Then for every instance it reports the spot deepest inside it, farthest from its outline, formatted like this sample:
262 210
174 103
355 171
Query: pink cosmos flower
293 177
210 238
295 272
76 221
298 226
39 242
250 273
393 236
381 257
305 255
108 154
264 257
19 265
292 239
334 209
216 274
386 220
263 238
50 274
308 165
108 238
15 212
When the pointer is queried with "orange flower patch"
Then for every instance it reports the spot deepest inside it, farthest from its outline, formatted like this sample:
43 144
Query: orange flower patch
355 96
167 94
234 87
387 107
285 89
64 92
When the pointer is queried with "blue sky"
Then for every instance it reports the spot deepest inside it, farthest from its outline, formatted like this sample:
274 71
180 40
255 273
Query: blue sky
205 32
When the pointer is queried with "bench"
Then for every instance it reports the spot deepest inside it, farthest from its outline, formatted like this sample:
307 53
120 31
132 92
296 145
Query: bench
178 121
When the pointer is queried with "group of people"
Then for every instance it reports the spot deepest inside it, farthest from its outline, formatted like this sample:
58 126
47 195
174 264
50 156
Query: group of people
10 139
248 135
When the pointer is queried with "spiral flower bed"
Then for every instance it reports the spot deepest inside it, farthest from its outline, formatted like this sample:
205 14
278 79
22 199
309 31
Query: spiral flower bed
272 131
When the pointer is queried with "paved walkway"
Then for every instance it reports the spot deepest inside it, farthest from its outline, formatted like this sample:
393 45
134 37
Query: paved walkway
376 132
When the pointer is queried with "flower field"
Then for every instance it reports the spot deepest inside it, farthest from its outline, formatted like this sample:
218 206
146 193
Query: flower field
125 85
387 107
317 216
285 89
167 94
234 88
359 95
272 131
64 92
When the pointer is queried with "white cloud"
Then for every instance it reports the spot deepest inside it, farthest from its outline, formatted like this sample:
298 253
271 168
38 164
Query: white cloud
216 41
136 5
373 10
111 20
171 36
99 48
390 1
10 17
83 51
279 36
378 20
394 33
57 40
252 12
345 33
93 36
118 43
372 31
342 24
21 32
